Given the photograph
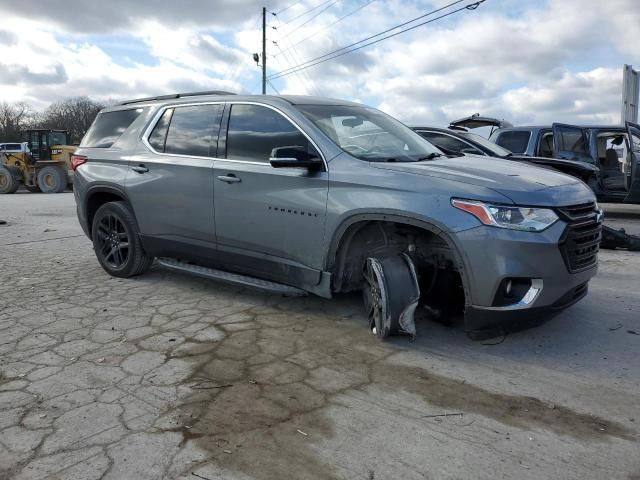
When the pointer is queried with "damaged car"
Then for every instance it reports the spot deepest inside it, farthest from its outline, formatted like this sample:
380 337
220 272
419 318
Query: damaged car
614 151
458 140
296 195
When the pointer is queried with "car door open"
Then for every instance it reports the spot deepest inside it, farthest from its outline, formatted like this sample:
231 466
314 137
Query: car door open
632 163
571 143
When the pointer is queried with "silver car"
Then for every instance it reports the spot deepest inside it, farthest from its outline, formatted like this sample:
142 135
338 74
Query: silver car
298 195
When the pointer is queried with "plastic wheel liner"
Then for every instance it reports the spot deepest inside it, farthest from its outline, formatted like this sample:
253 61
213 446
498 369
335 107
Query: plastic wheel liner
391 295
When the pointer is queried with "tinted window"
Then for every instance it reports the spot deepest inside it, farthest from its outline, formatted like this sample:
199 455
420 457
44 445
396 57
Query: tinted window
515 141
255 130
12 146
159 133
545 149
58 138
108 127
635 143
194 130
448 142
571 140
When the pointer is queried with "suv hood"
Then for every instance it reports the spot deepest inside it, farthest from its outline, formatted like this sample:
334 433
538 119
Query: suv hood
523 184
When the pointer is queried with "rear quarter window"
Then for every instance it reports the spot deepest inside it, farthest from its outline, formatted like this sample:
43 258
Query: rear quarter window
514 141
108 127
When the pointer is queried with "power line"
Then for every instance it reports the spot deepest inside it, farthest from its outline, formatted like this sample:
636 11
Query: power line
345 50
296 60
273 87
303 13
286 8
313 17
379 34
331 24
236 67
304 76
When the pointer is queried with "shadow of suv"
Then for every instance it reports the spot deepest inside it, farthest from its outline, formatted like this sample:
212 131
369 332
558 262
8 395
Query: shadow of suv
298 195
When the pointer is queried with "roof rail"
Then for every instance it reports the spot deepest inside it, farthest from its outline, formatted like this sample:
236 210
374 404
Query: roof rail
176 95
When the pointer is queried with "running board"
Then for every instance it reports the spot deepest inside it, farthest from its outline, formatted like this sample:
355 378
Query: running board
232 278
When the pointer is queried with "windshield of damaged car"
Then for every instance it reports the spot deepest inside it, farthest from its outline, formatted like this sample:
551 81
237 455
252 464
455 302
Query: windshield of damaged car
368 134
494 148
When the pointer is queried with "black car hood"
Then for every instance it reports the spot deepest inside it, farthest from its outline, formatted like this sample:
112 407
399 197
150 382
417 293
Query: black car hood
560 163
524 184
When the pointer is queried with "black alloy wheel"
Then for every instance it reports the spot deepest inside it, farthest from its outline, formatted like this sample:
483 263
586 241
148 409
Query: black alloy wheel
116 241
112 241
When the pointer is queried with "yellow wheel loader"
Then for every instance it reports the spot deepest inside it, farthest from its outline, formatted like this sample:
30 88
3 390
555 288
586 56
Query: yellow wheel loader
42 165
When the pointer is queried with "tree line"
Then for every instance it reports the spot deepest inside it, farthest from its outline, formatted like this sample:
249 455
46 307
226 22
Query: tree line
74 114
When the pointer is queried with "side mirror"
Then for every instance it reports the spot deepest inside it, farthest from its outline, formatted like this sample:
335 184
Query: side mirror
293 157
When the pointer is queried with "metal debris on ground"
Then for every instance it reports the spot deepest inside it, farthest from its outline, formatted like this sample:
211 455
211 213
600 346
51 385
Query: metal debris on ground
457 414
612 239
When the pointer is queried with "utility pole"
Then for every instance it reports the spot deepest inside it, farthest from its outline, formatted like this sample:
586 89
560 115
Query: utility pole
264 50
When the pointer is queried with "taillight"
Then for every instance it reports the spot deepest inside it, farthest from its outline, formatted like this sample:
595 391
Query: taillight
77 160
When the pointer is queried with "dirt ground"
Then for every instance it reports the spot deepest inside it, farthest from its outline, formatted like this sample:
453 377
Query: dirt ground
169 376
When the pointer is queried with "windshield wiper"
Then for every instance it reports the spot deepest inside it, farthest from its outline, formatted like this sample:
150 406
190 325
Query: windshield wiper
431 156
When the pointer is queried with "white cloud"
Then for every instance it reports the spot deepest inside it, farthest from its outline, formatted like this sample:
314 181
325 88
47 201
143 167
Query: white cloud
525 61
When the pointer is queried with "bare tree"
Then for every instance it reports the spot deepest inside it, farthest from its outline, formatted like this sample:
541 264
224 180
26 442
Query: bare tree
75 114
14 118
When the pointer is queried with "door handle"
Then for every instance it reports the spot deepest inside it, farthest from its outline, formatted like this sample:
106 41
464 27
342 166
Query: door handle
231 178
140 168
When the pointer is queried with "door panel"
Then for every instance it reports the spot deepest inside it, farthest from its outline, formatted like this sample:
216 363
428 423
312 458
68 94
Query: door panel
173 197
269 221
172 193
632 164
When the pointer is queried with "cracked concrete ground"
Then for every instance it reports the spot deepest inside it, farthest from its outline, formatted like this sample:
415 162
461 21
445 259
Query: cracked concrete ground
168 376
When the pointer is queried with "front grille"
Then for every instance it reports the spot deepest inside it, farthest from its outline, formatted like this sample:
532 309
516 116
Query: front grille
581 240
576 212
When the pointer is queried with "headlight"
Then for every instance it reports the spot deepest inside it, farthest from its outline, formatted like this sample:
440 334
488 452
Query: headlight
529 219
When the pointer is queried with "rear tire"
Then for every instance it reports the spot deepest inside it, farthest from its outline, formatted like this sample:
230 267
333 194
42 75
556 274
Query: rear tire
52 179
116 241
8 181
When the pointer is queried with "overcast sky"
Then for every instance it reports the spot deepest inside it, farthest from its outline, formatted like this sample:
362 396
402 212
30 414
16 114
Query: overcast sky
528 61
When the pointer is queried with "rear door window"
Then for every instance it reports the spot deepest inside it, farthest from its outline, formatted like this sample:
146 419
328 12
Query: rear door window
255 130
159 133
193 130
108 127
515 141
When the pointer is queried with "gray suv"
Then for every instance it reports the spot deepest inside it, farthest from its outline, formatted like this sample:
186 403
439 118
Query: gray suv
299 195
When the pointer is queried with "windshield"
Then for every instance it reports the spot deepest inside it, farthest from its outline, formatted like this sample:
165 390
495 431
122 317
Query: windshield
369 134
497 150
58 138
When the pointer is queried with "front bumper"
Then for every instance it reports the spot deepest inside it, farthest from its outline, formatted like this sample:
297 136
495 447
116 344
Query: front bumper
492 255
482 322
